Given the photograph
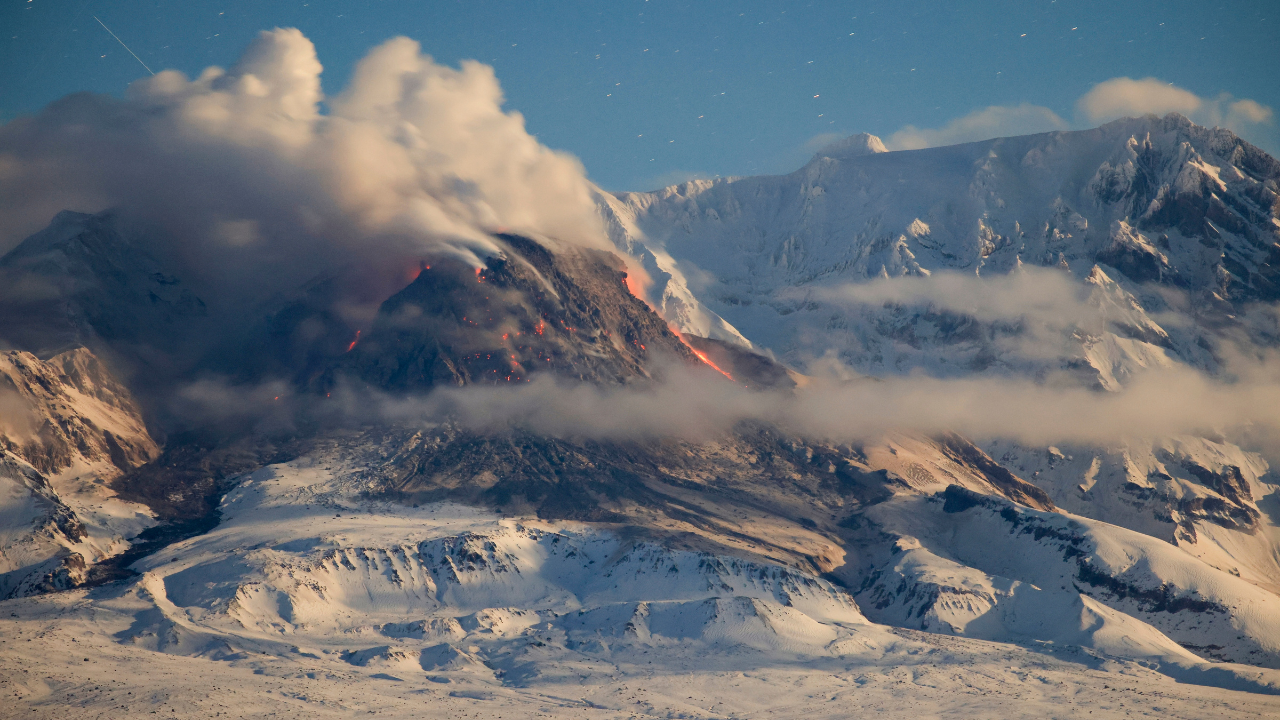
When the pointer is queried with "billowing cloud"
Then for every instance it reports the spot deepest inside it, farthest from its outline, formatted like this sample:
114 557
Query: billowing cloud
250 186
991 122
1125 97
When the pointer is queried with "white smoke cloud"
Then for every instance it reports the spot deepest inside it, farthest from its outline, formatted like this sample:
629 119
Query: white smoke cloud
251 186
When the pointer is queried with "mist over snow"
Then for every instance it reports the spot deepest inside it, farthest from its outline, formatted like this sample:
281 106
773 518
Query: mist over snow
834 405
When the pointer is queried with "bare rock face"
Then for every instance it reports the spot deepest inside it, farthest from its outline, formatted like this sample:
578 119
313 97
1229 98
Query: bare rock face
67 428
70 409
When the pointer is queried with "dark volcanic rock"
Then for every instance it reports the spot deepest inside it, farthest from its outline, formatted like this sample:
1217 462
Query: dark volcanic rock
529 311
1006 483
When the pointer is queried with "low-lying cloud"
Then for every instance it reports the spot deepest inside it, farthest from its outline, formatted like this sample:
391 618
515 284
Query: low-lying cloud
1046 310
696 404
1042 293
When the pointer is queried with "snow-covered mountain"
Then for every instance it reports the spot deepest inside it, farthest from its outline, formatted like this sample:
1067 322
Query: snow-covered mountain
312 597
336 560
86 281
1093 256
1132 205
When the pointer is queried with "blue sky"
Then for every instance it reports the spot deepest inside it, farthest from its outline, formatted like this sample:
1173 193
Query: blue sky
650 91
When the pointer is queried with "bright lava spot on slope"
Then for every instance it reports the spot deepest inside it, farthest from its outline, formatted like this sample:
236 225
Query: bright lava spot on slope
703 357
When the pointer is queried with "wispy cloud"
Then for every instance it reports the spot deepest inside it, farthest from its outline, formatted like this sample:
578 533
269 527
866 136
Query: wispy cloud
990 122
1108 100
1125 97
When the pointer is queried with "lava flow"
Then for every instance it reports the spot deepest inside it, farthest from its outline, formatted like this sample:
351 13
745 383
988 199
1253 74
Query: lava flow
701 355
352 346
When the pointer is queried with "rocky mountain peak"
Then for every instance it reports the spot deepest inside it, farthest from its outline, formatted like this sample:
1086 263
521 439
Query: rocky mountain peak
528 311
83 282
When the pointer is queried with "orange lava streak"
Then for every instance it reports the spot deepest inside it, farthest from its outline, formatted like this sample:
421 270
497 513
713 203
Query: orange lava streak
707 360
352 346
701 355
413 272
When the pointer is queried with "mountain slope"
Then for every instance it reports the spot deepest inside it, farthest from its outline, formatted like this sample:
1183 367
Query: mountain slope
482 561
85 281
1157 199
527 312
68 429
1160 243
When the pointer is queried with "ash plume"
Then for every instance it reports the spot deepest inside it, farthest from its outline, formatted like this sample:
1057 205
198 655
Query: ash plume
251 180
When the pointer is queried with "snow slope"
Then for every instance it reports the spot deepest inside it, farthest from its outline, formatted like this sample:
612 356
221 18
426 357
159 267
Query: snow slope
1146 200
311 600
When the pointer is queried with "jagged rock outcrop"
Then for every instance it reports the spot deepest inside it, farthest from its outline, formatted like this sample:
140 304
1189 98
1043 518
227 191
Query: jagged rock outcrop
70 409
68 428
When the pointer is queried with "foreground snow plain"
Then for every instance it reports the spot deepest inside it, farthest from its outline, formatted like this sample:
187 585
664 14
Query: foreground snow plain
310 600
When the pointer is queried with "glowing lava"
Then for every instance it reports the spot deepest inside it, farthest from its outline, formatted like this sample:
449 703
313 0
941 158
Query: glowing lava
352 346
702 356
634 285
413 273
